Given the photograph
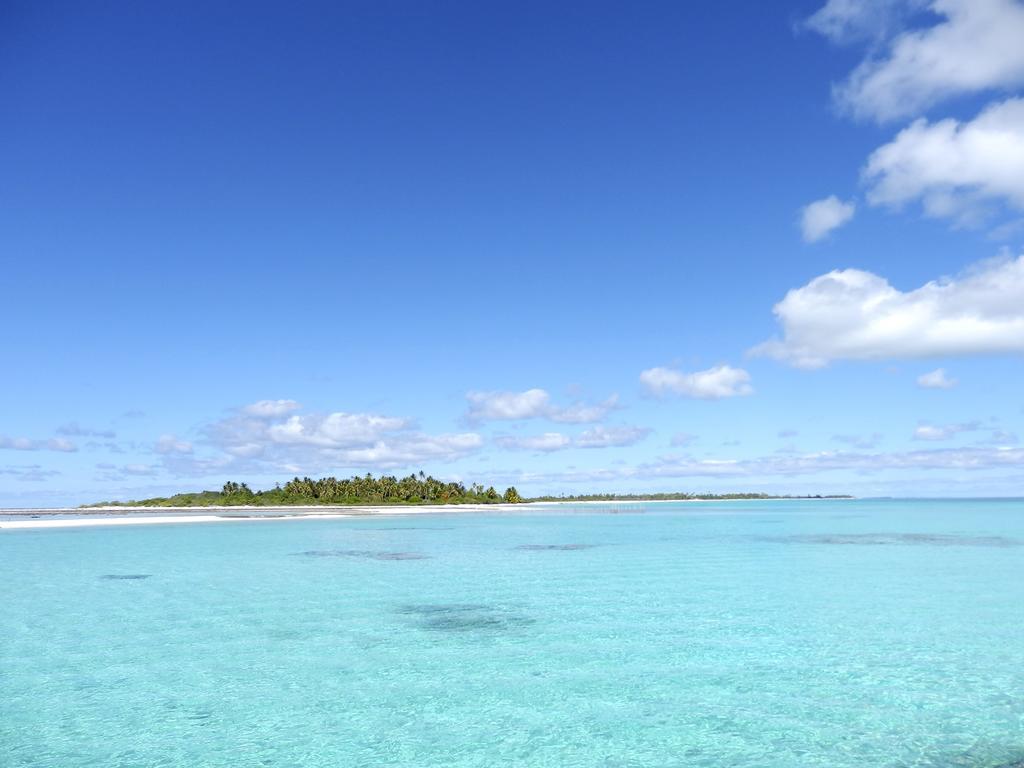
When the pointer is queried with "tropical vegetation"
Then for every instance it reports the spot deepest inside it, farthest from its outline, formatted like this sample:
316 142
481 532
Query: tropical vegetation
367 489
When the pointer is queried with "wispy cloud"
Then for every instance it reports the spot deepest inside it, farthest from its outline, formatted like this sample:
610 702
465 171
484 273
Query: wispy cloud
120 472
28 444
270 408
936 379
943 432
546 442
784 465
533 404
973 46
609 437
29 473
73 429
171 444
597 437
712 384
865 442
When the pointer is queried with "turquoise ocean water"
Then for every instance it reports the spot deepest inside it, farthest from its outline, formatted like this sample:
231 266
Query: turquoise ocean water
833 633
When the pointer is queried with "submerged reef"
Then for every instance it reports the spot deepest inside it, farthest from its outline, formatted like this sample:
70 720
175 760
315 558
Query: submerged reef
883 539
465 617
366 554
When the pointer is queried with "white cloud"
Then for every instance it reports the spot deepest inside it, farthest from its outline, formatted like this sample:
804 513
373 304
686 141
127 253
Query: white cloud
171 444
856 315
819 218
410 450
261 442
933 432
936 379
712 384
533 404
611 437
953 168
27 444
583 413
547 442
271 408
336 430
507 406
975 46
845 21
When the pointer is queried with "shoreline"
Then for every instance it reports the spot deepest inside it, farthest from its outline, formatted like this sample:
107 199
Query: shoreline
100 516
88 517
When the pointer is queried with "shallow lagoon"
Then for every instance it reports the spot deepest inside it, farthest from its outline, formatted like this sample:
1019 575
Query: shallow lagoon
803 633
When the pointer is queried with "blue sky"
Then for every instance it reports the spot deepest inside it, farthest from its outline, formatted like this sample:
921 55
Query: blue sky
572 247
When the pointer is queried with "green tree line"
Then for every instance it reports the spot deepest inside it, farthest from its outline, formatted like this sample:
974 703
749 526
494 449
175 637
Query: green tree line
386 489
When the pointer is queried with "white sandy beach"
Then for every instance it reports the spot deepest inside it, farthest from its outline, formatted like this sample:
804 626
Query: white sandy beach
106 516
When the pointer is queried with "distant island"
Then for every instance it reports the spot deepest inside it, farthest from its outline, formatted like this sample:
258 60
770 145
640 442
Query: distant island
389 490
685 497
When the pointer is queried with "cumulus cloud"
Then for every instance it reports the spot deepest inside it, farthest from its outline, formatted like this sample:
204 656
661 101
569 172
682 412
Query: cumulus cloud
533 404
712 384
171 444
507 406
955 169
335 430
974 46
933 432
856 315
270 408
936 379
819 218
412 449
611 437
27 444
261 441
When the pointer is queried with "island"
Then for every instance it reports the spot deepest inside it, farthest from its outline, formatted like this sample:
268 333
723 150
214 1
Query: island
416 489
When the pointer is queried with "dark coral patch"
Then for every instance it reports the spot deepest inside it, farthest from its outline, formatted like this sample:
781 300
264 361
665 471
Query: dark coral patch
884 539
125 576
366 554
465 617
